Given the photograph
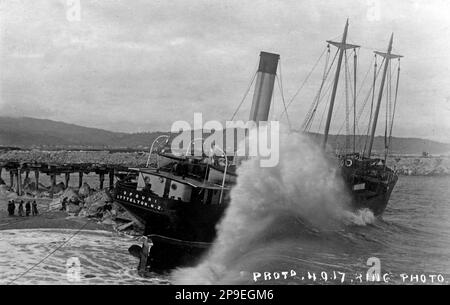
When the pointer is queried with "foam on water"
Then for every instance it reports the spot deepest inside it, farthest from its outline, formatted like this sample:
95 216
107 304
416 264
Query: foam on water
360 217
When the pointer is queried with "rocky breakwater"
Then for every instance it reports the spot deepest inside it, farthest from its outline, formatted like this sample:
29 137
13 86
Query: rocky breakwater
130 159
420 166
99 206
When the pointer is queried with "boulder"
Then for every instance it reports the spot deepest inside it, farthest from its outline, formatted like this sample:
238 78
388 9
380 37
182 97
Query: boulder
73 208
107 218
6 193
30 186
71 195
85 190
97 200
59 188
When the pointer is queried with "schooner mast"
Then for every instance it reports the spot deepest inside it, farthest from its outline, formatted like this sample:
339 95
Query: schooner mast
387 56
342 47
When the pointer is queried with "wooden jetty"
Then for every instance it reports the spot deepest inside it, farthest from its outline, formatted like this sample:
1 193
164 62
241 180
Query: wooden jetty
17 168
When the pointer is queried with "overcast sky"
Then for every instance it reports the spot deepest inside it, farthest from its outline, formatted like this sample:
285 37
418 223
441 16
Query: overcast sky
140 65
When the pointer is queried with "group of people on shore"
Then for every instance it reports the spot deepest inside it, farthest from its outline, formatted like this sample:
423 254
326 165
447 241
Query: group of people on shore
30 208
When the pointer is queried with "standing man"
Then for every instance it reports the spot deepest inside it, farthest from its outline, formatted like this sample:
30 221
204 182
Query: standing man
21 208
27 208
63 204
10 208
13 207
35 210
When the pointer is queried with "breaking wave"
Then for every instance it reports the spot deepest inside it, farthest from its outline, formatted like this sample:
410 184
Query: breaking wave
300 198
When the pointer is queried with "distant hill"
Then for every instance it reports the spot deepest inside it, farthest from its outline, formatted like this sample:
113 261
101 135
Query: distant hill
414 146
38 133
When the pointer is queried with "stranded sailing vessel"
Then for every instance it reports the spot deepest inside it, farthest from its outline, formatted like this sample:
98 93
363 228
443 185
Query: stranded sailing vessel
182 198
368 178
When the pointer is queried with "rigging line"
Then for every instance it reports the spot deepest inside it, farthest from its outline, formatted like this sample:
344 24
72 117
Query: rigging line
273 103
306 79
325 108
280 85
245 96
50 254
347 125
347 111
363 135
355 66
371 88
386 113
395 101
326 95
367 97
364 80
330 85
311 112
373 97
349 75
337 111
247 91
371 105
389 109
390 106
318 98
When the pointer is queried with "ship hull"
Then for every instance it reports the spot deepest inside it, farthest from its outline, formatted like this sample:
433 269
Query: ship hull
374 201
168 253
179 232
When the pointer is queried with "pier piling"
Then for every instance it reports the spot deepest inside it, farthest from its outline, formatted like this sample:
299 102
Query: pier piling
16 168
67 180
11 177
80 179
111 179
36 178
52 188
19 182
102 179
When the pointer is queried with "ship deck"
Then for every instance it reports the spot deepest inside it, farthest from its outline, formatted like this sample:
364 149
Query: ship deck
186 180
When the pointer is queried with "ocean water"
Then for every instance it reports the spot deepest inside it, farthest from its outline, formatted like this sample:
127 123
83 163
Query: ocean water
412 238
411 243
61 256
291 224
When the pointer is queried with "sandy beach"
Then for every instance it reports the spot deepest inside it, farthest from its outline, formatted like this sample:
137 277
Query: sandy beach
35 249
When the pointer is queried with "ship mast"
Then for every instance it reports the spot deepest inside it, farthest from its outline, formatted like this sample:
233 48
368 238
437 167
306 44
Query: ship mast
342 47
387 57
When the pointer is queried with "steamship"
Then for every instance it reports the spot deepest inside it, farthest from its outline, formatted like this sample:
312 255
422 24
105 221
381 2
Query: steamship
181 199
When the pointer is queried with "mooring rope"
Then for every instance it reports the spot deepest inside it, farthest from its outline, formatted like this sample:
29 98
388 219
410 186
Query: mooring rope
48 255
